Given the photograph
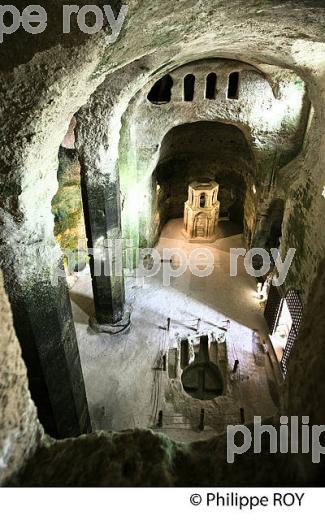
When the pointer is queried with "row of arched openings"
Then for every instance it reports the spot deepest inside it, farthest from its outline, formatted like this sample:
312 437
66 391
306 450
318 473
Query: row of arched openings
161 92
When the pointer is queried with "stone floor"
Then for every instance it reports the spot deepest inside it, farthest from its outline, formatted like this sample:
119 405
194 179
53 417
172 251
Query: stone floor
125 385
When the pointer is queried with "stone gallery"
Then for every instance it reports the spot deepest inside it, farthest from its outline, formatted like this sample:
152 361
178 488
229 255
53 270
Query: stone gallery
155 185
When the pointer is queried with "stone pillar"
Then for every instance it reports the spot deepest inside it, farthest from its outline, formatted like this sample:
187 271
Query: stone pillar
44 325
35 282
102 210
178 89
18 413
200 87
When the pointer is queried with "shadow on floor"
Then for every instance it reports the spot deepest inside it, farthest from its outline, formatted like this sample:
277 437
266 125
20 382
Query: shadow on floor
85 304
228 229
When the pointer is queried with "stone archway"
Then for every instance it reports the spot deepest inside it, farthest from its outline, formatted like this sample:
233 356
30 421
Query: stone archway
200 151
200 225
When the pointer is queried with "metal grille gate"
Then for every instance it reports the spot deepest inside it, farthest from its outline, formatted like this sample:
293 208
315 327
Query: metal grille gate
296 309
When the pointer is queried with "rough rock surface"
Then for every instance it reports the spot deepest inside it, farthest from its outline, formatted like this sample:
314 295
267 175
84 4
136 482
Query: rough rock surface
141 458
305 381
20 431
46 79
67 208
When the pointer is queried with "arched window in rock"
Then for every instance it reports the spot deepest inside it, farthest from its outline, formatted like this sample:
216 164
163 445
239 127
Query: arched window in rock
211 86
233 85
189 87
202 200
161 92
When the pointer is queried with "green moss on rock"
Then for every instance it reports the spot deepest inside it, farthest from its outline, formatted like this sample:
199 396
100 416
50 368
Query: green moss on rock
67 206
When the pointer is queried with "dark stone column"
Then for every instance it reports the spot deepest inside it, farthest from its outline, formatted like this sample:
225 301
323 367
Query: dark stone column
103 226
44 326
102 210
31 262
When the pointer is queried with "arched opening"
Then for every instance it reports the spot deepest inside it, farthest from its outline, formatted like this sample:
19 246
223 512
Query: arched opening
211 86
202 200
189 87
205 151
233 85
67 207
200 225
161 92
